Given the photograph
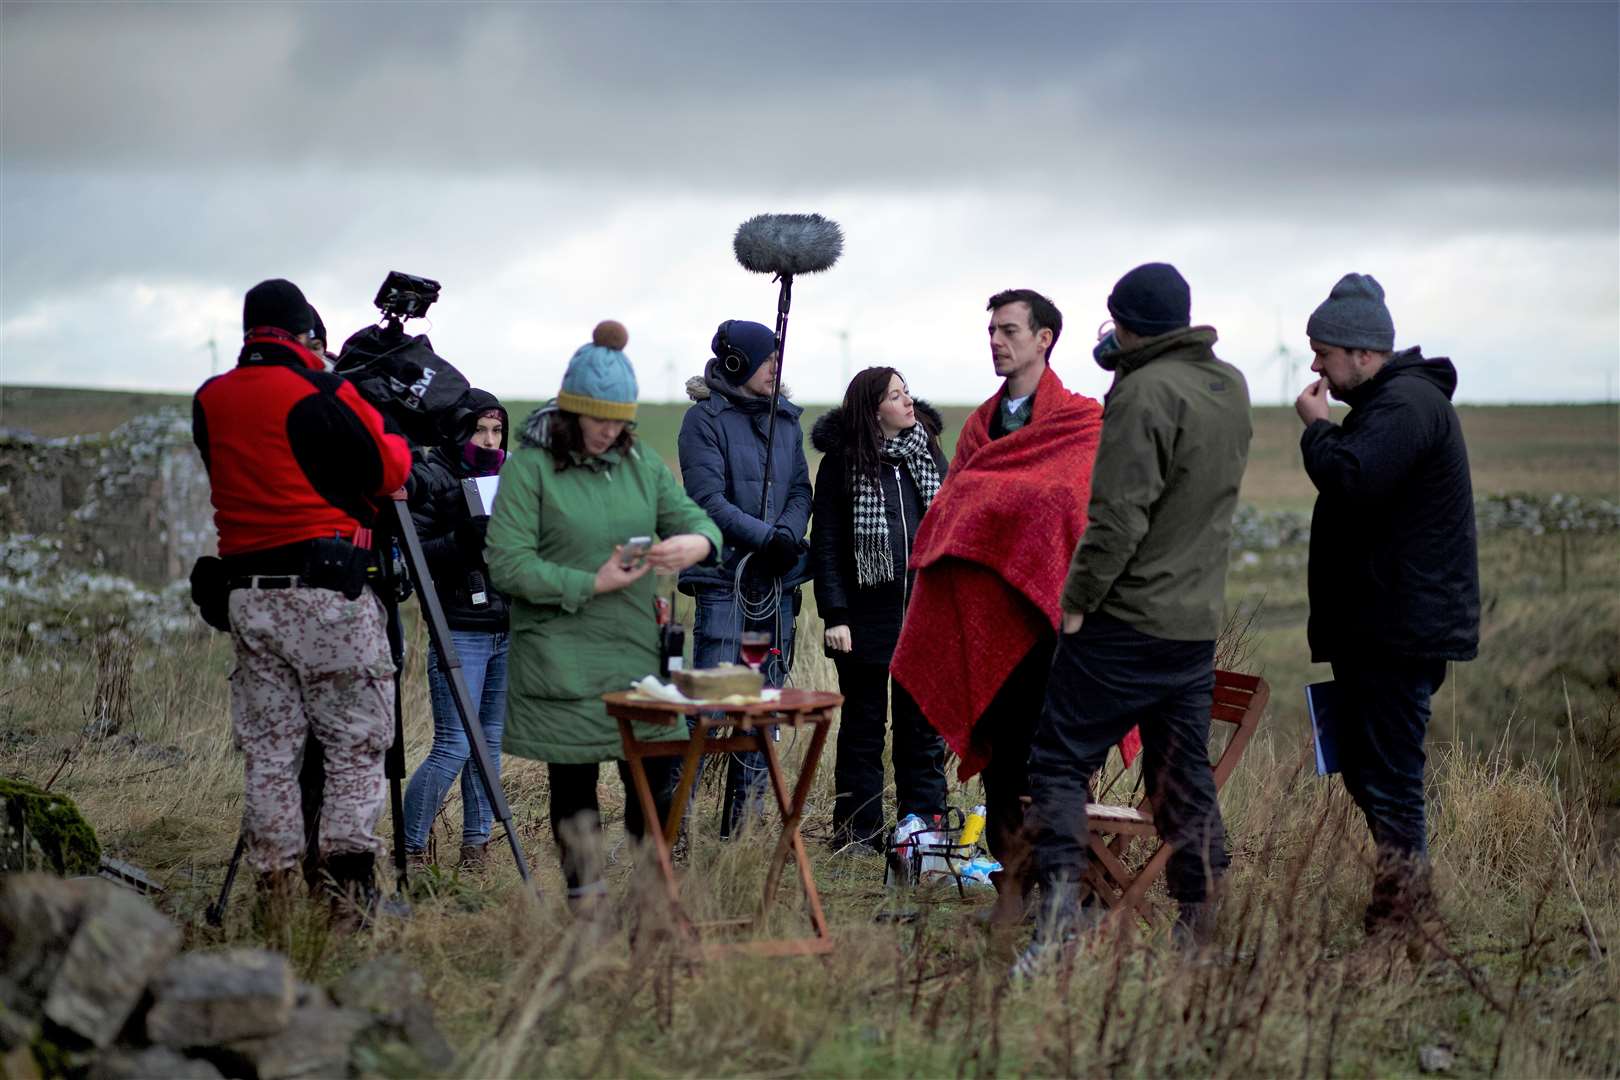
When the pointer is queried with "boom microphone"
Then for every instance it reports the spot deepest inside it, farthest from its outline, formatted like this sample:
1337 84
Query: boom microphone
784 245
788 244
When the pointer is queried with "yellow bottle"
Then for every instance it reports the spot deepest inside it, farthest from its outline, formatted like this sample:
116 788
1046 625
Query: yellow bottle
972 827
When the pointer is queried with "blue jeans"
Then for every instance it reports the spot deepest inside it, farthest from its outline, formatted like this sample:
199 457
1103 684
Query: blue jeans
483 665
716 625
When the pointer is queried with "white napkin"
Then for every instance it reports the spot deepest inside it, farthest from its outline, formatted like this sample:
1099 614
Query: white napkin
651 687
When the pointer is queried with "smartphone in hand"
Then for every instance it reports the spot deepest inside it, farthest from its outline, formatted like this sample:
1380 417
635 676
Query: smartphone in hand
633 551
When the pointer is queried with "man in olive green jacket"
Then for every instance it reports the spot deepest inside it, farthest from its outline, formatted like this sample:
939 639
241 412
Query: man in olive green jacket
1143 602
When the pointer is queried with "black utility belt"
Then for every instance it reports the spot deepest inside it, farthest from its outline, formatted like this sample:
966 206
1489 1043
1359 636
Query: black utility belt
270 581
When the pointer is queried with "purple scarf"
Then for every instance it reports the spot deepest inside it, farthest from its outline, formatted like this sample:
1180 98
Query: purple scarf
482 461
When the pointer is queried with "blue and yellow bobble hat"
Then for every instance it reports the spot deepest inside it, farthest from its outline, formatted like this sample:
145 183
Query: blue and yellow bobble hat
599 381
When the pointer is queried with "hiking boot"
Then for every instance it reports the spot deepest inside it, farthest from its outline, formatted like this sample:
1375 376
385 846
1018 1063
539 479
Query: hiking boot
417 863
353 891
1063 921
474 858
1014 899
1194 929
273 904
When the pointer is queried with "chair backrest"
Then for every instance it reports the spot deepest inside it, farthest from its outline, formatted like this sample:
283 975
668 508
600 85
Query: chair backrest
1240 700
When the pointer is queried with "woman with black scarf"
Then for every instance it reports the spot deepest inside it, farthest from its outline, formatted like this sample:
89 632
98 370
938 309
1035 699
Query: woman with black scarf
881 468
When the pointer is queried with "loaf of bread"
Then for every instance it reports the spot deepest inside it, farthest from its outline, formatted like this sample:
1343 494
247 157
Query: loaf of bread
727 680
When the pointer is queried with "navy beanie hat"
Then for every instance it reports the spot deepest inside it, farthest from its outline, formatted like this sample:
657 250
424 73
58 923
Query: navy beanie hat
278 303
1354 316
1152 299
740 347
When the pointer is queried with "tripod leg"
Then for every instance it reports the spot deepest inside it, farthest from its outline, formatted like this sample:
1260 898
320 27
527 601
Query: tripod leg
450 665
216 911
394 763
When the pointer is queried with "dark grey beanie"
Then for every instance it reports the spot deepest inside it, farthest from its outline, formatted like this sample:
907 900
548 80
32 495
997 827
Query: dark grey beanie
1354 316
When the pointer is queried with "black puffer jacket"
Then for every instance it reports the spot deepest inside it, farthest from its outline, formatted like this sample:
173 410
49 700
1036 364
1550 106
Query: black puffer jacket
873 613
1394 567
439 508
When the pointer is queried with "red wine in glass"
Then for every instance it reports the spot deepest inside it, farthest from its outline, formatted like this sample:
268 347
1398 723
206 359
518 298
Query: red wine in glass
755 645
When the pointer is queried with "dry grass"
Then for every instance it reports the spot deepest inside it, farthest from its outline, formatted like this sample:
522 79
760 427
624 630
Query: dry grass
1522 983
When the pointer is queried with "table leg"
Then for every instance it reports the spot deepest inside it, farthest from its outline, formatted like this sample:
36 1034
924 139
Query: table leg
683 791
792 809
649 810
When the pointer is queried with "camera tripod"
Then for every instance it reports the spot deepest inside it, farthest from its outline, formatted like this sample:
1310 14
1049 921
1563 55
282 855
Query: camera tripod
312 774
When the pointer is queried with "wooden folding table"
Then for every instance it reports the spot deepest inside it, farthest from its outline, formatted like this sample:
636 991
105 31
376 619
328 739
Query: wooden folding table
749 729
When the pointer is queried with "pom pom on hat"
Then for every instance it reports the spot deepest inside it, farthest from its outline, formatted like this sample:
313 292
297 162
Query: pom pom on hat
610 334
600 381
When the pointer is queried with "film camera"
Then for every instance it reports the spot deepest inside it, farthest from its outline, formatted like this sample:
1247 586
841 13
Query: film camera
400 373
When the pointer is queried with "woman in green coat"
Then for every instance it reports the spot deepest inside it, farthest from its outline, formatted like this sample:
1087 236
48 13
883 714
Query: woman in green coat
577 488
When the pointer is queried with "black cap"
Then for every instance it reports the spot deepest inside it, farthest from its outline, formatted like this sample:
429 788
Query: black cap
1152 299
278 303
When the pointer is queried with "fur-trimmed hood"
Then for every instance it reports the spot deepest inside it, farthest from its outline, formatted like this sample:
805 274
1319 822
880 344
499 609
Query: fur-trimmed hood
711 384
828 433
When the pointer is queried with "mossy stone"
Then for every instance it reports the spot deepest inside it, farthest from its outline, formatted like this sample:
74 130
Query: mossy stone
36 820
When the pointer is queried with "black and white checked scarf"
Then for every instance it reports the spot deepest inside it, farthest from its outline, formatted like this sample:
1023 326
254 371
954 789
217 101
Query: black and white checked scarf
874 561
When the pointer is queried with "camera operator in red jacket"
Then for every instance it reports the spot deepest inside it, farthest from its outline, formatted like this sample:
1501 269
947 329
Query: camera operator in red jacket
298 464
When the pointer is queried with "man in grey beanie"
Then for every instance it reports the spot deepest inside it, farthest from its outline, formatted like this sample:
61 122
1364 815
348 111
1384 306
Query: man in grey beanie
1394 572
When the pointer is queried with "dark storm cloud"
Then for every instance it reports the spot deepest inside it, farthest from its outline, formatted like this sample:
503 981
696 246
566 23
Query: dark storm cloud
825 94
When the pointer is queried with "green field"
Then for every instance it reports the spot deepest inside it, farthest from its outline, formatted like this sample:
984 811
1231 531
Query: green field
1524 787
1573 449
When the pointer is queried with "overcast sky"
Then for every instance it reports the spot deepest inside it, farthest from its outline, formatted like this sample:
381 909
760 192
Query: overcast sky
554 165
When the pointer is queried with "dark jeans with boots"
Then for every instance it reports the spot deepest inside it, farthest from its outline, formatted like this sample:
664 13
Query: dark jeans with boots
1107 678
1004 733
576 818
918 756
1384 718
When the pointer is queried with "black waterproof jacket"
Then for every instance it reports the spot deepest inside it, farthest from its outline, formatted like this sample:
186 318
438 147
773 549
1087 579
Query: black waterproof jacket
439 507
1394 567
873 613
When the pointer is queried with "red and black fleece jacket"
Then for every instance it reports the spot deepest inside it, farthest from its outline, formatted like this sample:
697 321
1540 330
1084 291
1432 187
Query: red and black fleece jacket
293 451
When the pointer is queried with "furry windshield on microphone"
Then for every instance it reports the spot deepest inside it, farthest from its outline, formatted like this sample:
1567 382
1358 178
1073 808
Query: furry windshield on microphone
788 243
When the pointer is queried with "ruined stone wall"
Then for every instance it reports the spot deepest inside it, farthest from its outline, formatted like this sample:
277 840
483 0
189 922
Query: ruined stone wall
132 503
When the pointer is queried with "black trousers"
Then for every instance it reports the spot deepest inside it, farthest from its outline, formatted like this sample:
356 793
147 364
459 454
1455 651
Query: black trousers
918 756
576 817
1107 678
1004 732
1384 719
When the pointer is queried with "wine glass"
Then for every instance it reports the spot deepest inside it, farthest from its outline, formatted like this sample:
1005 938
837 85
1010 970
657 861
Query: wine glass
754 645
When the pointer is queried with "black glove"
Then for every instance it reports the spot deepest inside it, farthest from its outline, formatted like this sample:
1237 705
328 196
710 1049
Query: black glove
780 553
470 537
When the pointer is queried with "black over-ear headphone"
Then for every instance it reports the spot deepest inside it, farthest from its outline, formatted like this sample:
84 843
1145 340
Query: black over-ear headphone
732 359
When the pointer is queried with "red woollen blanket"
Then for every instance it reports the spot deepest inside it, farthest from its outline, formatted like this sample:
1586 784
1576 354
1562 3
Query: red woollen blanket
991 555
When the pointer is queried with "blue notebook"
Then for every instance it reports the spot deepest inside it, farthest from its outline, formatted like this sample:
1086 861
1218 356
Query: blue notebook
1322 705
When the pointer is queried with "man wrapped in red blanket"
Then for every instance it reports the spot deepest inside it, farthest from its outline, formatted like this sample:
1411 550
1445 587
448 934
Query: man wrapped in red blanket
990 560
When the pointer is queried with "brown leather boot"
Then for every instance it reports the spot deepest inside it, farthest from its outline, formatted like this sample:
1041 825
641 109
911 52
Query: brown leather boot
474 858
353 894
273 905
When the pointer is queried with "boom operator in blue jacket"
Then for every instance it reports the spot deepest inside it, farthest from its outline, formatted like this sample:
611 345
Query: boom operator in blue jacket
764 559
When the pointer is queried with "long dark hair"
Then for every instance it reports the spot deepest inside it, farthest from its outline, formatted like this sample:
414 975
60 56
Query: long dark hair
568 438
863 435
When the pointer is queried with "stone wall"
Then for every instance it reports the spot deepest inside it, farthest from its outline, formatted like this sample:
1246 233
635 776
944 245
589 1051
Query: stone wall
132 503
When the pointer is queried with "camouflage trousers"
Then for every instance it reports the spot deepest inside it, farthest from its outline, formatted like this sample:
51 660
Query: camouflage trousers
310 662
